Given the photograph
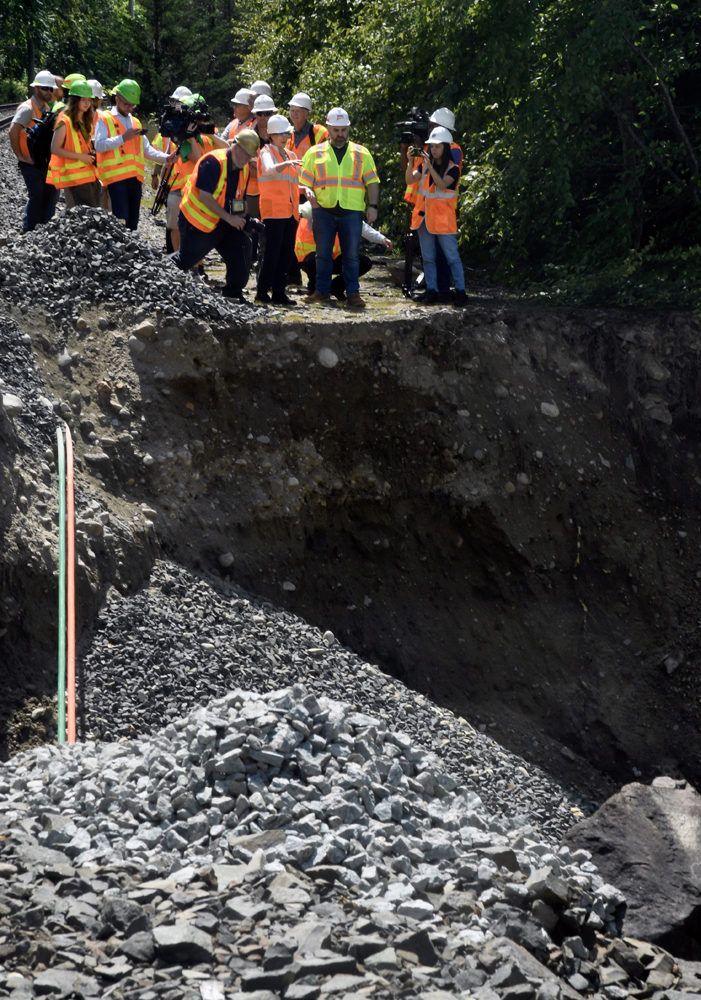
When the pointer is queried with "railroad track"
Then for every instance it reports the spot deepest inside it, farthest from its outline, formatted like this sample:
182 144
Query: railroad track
7 113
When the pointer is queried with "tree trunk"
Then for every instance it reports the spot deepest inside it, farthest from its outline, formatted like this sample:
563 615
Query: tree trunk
31 72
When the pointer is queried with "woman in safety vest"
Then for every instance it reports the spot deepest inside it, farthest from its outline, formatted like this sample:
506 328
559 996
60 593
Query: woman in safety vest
435 213
279 209
72 165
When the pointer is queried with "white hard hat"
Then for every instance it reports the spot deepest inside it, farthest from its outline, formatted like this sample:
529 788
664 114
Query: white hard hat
301 101
179 93
263 103
261 87
97 89
305 210
44 79
439 135
337 116
443 117
242 96
277 124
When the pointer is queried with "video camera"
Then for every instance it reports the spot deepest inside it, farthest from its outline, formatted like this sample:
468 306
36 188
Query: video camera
417 126
180 123
253 225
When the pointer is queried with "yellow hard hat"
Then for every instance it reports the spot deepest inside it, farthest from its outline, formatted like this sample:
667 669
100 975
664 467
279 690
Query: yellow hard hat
249 140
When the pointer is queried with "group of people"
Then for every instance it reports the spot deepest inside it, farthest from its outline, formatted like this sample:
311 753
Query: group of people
315 192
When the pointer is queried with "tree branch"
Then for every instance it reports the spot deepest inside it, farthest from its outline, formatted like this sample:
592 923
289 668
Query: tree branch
638 141
674 118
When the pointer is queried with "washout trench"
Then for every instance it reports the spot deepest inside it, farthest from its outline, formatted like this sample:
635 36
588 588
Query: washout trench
497 505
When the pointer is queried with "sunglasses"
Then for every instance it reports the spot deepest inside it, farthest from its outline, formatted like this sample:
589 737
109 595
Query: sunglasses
264 114
47 89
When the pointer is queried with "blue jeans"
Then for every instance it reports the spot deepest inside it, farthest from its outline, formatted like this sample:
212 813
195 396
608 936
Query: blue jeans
448 243
349 227
126 200
41 203
232 245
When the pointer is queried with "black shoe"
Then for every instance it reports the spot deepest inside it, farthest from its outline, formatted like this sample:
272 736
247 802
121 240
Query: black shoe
262 298
283 300
460 299
427 298
237 296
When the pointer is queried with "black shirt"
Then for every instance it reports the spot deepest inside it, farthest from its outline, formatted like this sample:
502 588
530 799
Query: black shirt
209 174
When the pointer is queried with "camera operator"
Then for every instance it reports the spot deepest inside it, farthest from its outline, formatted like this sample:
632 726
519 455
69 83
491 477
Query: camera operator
435 213
42 196
194 147
122 148
212 212
165 145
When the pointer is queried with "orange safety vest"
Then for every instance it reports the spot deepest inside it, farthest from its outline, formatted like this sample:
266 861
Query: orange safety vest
184 168
253 188
437 208
319 133
236 125
279 192
193 208
64 173
36 113
305 242
412 190
123 161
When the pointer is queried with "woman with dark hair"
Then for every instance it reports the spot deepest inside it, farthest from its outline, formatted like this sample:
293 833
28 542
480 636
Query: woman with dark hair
435 214
72 165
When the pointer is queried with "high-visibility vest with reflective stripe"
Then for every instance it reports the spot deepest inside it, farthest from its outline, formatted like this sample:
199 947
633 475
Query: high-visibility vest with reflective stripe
337 183
193 208
437 208
412 190
236 125
279 192
65 173
184 168
123 161
37 112
305 242
320 134
253 188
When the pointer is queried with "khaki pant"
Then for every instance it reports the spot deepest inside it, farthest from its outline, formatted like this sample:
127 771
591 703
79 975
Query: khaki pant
83 194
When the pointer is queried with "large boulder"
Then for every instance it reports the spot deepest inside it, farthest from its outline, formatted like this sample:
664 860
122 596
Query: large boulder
646 840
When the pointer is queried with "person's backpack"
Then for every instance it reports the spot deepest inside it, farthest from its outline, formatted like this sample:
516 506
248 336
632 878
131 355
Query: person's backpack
39 138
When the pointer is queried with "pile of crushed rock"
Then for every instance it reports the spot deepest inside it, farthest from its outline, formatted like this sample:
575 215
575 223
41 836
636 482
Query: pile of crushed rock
287 845
85 256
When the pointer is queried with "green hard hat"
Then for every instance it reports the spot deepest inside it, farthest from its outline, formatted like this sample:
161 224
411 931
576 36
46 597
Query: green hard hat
71 79
193 99
129 90
80 88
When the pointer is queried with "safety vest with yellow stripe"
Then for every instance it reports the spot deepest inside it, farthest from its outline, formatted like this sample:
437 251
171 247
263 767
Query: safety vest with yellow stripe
279 192
305 242
236 124
436 207
185 167
37 112
315 135
65 173
194 210
121 162
412 189
337 183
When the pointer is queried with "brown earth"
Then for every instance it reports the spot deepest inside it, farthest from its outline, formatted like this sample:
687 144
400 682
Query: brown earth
536 572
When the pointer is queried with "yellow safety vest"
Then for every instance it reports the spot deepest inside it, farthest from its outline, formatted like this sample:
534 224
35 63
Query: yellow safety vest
337 183
65 173
193 208
123 161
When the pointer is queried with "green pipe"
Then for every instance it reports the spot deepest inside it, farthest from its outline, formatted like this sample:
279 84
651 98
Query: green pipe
61 586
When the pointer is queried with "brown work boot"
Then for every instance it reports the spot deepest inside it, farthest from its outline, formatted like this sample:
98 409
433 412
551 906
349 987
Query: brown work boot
356 301
316 297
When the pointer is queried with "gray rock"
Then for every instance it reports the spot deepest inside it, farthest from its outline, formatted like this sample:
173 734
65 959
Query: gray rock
121 913
183 943
65 982
11 404
507 975
139 947
545 885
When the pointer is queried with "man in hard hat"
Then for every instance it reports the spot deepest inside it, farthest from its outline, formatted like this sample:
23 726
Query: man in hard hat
341 175
305 134
243 114
57 97
41 196
212 212
261 87
263 109
122 147
66 84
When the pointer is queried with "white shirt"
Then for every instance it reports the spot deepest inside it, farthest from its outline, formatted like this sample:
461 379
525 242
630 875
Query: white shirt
269 164
104 141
